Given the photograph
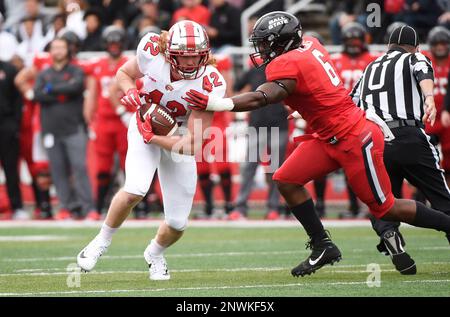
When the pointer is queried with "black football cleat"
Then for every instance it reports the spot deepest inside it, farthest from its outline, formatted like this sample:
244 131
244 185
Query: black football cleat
323 252
401 260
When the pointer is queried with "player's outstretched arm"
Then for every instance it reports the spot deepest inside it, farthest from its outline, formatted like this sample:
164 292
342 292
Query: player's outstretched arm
268 93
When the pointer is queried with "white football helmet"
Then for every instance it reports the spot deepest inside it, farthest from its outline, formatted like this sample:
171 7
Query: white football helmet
188 38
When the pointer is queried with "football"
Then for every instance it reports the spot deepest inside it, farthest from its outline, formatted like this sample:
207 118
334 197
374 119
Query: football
162 121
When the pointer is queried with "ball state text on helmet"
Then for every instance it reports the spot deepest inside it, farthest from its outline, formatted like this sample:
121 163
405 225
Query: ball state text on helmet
277 21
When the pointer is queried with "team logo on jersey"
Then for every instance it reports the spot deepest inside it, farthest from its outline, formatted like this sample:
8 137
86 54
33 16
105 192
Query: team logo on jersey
169 87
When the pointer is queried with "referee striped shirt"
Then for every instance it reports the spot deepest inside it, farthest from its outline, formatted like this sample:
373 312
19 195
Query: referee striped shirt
390 85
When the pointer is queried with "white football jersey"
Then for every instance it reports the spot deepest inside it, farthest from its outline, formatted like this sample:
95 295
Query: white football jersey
157 82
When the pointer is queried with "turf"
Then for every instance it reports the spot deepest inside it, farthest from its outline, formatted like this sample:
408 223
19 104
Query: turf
218 262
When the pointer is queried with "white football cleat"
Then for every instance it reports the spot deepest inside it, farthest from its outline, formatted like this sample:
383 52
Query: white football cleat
157 266
88 257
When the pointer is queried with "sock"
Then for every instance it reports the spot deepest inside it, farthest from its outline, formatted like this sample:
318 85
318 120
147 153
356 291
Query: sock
225 183
430 218
45 200
206 185
106 232
103 181
319 188
155 248
354 205
307 216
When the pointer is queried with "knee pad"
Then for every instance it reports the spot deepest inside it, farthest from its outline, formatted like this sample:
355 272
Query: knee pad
178 224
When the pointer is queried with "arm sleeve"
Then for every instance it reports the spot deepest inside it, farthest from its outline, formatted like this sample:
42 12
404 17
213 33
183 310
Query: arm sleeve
146 51
282 68
421 67
72 87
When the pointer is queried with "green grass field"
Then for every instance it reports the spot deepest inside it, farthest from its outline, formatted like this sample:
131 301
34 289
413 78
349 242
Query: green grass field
217 261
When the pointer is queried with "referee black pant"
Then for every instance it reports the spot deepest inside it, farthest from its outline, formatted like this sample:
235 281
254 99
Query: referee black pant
411 156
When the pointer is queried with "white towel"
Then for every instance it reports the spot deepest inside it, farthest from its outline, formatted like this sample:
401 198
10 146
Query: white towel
372 116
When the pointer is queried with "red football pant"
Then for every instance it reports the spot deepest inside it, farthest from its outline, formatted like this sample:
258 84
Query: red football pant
111 136
218 155
359 153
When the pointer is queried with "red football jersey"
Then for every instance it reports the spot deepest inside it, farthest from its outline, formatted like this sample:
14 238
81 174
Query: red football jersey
319 97
440 89
44 60
104 71
440 80
199 14
222 118
349 68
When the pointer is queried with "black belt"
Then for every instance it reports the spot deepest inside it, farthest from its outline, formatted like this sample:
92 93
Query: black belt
404 123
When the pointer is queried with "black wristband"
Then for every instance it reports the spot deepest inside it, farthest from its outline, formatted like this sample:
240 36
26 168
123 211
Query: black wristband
264 95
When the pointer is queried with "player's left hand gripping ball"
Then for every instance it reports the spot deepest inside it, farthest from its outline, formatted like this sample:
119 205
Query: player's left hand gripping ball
196 100
145 127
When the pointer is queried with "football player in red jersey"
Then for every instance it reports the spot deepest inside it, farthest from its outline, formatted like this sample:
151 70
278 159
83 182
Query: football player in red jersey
219 159
350 65
109 126
299 71
439 41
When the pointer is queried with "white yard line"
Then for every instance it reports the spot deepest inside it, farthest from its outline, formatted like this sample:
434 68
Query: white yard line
339 269
179 255
205 288
192 223
190 255
33 238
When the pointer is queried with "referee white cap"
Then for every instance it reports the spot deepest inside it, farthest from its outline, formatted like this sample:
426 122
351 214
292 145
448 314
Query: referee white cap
404 35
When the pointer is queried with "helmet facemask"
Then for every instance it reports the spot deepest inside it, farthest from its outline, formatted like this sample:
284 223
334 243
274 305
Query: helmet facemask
188 72
114 41
187 38
440 49
354 46
267 48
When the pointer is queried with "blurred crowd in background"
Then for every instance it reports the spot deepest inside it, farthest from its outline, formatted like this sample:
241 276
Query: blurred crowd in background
84 186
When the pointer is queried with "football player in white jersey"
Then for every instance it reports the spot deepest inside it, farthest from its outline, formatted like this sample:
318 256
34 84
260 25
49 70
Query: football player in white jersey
170 64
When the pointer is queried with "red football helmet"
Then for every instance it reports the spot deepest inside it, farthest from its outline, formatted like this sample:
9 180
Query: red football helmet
187 38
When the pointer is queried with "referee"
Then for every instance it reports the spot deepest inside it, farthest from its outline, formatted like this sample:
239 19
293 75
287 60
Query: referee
398 87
